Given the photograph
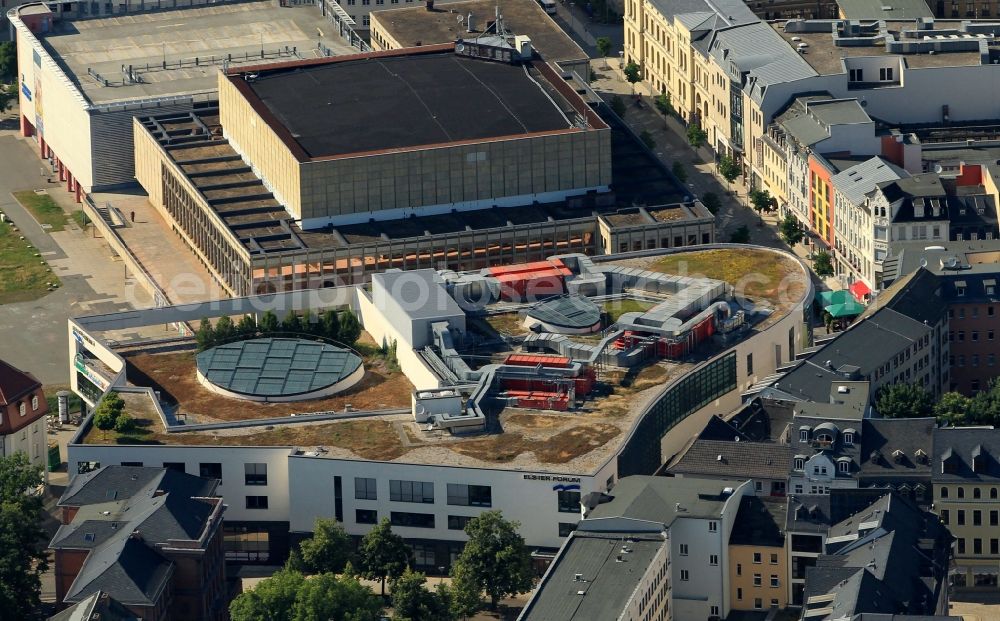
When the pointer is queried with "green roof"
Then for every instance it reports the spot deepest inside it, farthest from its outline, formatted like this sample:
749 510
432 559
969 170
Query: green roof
276 367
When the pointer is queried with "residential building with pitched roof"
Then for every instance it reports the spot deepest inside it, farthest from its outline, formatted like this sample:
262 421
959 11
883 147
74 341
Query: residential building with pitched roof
966 479
758 559
22 414
149 538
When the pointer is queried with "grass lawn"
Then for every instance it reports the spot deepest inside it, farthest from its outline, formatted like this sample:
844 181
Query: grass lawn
617 308
80 218
754 273
23 276
45 210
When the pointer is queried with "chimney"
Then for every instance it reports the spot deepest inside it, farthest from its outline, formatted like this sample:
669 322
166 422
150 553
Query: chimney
430 5
470 26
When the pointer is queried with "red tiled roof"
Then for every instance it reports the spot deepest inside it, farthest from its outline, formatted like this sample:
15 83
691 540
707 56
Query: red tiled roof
14 383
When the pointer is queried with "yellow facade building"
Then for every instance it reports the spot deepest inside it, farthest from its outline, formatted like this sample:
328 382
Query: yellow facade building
758 563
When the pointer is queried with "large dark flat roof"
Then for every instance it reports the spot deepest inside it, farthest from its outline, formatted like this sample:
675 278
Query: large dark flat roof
392 102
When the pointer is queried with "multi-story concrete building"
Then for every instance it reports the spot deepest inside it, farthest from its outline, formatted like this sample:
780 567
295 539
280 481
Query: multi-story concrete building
966 482
430 483
510 170
969 274
23 411
82 80
758 559
149 538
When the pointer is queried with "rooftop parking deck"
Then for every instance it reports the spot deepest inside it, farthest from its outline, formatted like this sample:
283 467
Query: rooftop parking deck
178 51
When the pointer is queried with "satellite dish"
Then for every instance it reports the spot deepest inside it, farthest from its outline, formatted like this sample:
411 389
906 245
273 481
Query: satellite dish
461 18
923 262
938 168
460 47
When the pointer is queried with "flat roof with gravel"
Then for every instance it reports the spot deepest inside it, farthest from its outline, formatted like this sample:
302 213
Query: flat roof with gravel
192 41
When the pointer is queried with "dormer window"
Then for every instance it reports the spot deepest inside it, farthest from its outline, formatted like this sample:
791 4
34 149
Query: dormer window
803 434
949 463
920 456
849 437
824 439
34 402
799 462
897 456
21 408
844 465
979 459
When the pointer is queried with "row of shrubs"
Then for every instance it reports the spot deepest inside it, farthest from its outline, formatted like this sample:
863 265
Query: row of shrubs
342 327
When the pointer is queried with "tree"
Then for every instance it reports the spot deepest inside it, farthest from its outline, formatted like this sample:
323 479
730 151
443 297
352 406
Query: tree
678 169
495 558
328 598
310 323
728 168
760 200
124 423
383 554
291 323
904 401
664 105
822 263
225 331
272 599
350 328
618 106
633 74
247 327
328 549
108 411
411 601
696 135
790 230
205 336
466 594
712 202
954 409
7 97
330 325
8 61
604 48
647 139
985 406
740 236
269 323
22 540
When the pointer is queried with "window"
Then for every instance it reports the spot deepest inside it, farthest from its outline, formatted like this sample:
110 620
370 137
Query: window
944 492
977 518
774 602
961 546
565 528
844 466
961 492
994 518
961 517
774 581
849 439
34 402
366 516
977 546
739 569
993 493
739 593
175 465
758 580
255 474
364 489
470 495
944 516
976 492
774 558
799 465
21 408
210 470
414 520
803 435
256 502
757 558
569 501
411 491
685 576
684 549
713 559
423 555
749 364
458 522
885 74
713 527
994 546
856 75
713 610
758 603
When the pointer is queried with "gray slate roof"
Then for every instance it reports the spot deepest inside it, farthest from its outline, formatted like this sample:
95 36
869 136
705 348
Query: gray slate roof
959 447
607 583
766 460
655 499
884 9
760 521
885 436
99 603
861 179
122 482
